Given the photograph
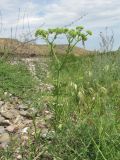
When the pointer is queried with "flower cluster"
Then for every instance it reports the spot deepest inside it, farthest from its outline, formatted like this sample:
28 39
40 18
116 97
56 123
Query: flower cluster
71 33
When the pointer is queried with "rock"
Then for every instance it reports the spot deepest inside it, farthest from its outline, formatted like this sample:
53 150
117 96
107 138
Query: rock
5 93
19 157
7 114
44 133
10 94
5 123
14 100
46 87
1 103
4 140
24 138
22 107
28 122
18 119
24 130
1 119
48 115
19 127
3 145
25 114
4 107
51 134
33 111
10 128
2 130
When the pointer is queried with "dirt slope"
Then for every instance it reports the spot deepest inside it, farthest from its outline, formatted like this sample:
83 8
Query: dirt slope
28 49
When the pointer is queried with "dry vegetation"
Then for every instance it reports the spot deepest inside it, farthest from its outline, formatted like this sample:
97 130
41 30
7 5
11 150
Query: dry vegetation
26 49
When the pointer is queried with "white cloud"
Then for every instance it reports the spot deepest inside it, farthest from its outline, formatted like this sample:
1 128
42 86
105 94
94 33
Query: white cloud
100 13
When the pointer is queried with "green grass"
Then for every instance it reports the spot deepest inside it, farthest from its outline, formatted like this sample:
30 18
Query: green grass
87 111
18 81
86 107
15 79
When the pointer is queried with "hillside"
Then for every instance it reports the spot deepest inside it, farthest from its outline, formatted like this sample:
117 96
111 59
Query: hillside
29 49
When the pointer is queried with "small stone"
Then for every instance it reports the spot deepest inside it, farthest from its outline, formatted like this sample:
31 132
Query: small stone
22 107
4 138
5 93
1 103
3 145
27 122
44 133
5 123
10 128
51 134
25 114
7 115
2 130
10 94
1 119
25 130
17 151
47 112
18 128
19 157
18 119
24 138
33 111
49 116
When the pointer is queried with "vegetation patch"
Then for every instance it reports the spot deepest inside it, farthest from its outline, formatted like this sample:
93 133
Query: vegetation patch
86 118
15 79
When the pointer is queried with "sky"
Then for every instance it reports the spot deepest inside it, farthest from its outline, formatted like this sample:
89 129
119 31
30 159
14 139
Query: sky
20 17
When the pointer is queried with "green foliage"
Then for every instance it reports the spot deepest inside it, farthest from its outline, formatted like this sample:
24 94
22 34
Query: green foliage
86 118
73 36
85 122
15 79
42 33
89 32
85 103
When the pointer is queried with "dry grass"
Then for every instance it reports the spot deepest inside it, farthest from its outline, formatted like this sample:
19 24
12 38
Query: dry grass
14 46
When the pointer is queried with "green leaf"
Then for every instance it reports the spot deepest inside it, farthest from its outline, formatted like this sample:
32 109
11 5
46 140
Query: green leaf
89 32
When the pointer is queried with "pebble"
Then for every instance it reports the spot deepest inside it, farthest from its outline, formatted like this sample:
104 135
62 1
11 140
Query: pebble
25 130
1 119
16 118
10 128
7 115
44 133
33 111
19 157
2 130
21 107
5 123
25 114
5 93
4 139
1 103
3 145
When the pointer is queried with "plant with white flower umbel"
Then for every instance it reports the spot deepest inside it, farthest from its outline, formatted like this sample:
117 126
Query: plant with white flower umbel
73 37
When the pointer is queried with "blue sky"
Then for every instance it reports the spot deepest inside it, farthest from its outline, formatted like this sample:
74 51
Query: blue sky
52 13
